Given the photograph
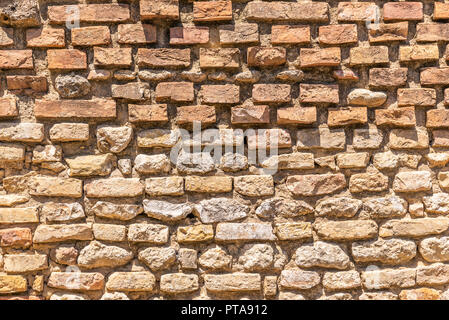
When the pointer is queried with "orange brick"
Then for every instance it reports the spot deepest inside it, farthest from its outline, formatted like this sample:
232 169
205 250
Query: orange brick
287 11
356 11
338 34
422 97
228 58
266 57
163 58
6 37
159 9
437 118
220 94
91 13
45 38
285 34
347 116
318 93
402 117
426 52
16 59
112 57
136 33
369 55
441 11
325 57
147 113
8 108
66 59
189 35
91 36
257 114
386 77
429 32
403 11
434 76
295 115
212 10
386 32
27 84
175 92
188 114
271 93
75 109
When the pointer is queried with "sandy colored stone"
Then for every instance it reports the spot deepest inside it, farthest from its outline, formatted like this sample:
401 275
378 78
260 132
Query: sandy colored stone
92 165
414 228
131 281
315 185
346 230
196 233
85 281
114 188
62 232
391 251
233 282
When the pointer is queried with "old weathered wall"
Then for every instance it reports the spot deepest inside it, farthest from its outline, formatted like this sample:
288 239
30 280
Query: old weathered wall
95 203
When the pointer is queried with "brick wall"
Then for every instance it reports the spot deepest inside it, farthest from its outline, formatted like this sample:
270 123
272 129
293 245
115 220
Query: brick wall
93 206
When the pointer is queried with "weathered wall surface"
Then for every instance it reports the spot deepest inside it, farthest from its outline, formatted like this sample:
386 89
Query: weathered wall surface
91 205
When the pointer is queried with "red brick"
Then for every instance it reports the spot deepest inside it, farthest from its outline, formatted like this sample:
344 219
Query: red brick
113 57
6 37
429 32
159 9
347 116
75 109
147 113
385 77
15 237
91 13
45 38
16 59
189 35
403 11
175 92
441 11
318 93
27 84
271 93
163 58
66 59
242 33
338 34
186 115
228 58
91 36
437 118
435 76
324 57
266 57
285 34
257 114
356 11
287 11
422 97
136 33
402 117
212 10
386 32
296 115
8 108
220 94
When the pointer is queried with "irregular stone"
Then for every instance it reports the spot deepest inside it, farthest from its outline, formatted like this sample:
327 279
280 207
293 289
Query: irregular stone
12 284
366 97
109 232
62 212
233 162
98 255
315 185
233 282
385 208
321 138
283 207
173 186
116 211
210 184
413 181
158 258
254 186
196 233
299 279
338 207
388 278
293 230
114 188
142 281
221 210
91 165
437 203
195 163
409 138
166 211
414 228
62 232
290 161
72 86
321 254
352 160
431 275
152 164
369 181
435 249
215 259
346 230
113 138
391 251
244 232
76 281
175 283
151 233
420 294
342 280
22 263
385 160
16 238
